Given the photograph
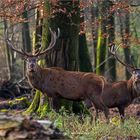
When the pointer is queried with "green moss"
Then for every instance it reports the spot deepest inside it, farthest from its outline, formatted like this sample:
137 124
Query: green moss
101 50
4 110
43 106
23 101
34 105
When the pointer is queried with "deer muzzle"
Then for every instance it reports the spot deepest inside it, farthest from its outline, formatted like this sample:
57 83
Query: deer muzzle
31 67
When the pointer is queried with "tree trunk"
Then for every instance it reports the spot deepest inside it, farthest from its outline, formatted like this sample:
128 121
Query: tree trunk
102 40
26 37
124 30
95 26
11 58
7 52
127 43
84 59
111 33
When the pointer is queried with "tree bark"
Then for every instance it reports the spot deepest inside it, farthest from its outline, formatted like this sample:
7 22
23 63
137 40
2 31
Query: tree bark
125 31
95 26
84 59
26 37
111 39
102 40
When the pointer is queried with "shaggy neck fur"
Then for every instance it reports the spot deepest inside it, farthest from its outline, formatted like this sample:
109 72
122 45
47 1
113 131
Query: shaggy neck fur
133 92
35 78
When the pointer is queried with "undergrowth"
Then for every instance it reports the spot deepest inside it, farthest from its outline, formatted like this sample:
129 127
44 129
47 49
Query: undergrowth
82 129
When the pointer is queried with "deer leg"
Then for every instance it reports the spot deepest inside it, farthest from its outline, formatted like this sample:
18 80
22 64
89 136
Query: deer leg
100 105
106 112
89 106
96 106
121 111
55 103
104 108
96 115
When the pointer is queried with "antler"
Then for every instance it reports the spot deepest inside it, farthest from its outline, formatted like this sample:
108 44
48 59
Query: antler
10 44
22 52
51 45
113 50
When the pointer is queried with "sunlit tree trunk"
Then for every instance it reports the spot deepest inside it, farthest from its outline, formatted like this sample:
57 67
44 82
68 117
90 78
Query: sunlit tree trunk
102 40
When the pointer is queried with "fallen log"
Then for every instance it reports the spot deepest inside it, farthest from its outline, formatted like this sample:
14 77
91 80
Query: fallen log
18 103
19 128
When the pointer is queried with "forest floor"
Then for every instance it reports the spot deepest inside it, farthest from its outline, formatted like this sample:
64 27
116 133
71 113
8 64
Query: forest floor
115 130
82 129
132 110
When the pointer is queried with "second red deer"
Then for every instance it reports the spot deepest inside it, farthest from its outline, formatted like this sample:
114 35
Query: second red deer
119 94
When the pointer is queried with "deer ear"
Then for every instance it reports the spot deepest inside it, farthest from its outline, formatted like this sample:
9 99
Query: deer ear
130 70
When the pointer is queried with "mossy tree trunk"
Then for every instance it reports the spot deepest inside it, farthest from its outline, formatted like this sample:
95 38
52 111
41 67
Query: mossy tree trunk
102 39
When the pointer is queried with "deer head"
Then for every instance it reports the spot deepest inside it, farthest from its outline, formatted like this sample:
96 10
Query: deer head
135 72
32 59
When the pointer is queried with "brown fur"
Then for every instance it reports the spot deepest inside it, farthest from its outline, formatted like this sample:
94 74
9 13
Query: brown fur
75 86
118 94
66 84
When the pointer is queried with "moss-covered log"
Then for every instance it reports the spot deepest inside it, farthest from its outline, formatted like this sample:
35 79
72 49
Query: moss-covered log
18 103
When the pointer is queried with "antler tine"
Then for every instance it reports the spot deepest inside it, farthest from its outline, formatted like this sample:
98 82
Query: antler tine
10 44
113 50
38 51
52 43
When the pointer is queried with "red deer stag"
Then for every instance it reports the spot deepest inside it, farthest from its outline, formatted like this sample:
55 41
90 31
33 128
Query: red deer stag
120 94
58 83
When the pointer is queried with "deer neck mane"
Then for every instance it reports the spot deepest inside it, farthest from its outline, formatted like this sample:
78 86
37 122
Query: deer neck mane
35 77
133 92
